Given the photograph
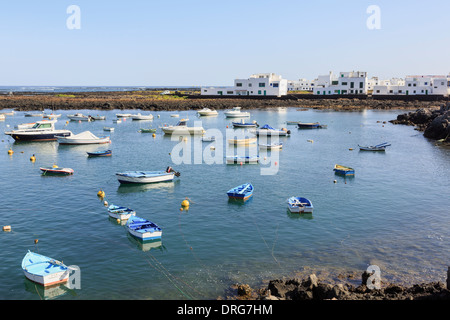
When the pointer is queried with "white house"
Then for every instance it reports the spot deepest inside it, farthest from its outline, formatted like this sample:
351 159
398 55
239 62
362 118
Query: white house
261 84
346 83
415 85
299 85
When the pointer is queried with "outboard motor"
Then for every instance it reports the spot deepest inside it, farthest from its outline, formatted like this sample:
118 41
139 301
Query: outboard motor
169 169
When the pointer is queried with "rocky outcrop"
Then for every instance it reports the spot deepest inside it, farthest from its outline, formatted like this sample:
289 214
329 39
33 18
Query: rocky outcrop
312 288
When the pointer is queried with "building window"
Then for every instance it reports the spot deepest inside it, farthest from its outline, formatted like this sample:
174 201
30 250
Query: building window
414 84
361 85
229 92
249 84
378 91
344 83
275 85
238 84
352 85
262 84
259 91
219 92
409 84
334 83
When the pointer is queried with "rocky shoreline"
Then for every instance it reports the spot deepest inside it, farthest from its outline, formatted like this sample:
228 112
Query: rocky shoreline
314 288
152 101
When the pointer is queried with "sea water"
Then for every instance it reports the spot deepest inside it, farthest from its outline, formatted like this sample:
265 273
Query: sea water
394 213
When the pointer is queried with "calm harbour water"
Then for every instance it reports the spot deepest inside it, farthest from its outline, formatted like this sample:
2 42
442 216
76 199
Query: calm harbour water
394 213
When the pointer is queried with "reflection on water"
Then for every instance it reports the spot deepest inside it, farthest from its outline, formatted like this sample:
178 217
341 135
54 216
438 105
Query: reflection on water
294 216
146 245
47 293
133 187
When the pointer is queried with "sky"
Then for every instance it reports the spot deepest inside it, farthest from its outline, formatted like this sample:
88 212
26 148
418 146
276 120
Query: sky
211 43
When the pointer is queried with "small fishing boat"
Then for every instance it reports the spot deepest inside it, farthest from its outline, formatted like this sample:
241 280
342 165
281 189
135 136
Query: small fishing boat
97 117
174 115
85 137
2 117
105 153
143 229
78 117
244 124
119 212
300 205
343 170
310 125
236 113
30 114
207 112
56 170
242 192
142 130
378 147
267 130
147 176
242 159
123 115
242 142
142 116
43 130
51 116
182 128
209 139
44 270
110 129
272 146
117 121
292 122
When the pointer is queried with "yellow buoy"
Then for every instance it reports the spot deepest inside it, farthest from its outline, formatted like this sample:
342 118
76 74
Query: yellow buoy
101 193
7 228
33 158
185 203
118 220
55 166
350 149
10 151
36 241
153 135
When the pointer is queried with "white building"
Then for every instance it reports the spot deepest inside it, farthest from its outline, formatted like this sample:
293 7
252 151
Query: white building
261 84
299 85
415 85
346 83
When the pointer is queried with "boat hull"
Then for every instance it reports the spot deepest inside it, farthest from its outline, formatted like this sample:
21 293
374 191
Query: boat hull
100 154
180 131
124 178
344 171
36 137
242 142
67 140
57 171
49 280
308 125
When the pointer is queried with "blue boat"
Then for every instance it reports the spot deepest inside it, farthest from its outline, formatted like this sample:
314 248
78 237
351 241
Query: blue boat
243 124
143 229
106 153
242 192
304 125
300 205
44 270
343 170
119 212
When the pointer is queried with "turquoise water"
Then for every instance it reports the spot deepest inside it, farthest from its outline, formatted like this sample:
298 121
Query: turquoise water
394 213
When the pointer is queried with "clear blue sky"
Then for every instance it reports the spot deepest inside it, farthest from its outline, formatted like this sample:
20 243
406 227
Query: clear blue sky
212 42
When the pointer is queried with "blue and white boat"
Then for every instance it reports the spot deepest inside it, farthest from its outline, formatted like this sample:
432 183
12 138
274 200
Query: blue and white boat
378 147
143 229
104 153
44 270
119 212
41 131
310 125
242 159
244 124
300 205
343 170
267 130
147 176
242 192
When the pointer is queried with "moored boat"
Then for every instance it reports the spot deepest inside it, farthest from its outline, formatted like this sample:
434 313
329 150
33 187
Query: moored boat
56 170
78 117
300 205
242 159
182 128
209 139
120 212
44 270
267 130
242 142
30 114
51 116
2 117
236 113
150 130
147 176
242 192
85 137
207 112
343 170
110 129
142 116
97 117
105 153
123 115
143 229
310 125
272 146
378 147
243 124
43 130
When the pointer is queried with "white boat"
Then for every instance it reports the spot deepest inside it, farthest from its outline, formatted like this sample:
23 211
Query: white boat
44 270
119 212
123 115
182 128
28 125
242 142
267 130
174 115
142 117
240 159
2 117
78 117
8 113
29 114
236 113
117 121
300 205
97 117
207 112
85 137
111 129
51 116
143 229
147 176
273 146
209 139
43 130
